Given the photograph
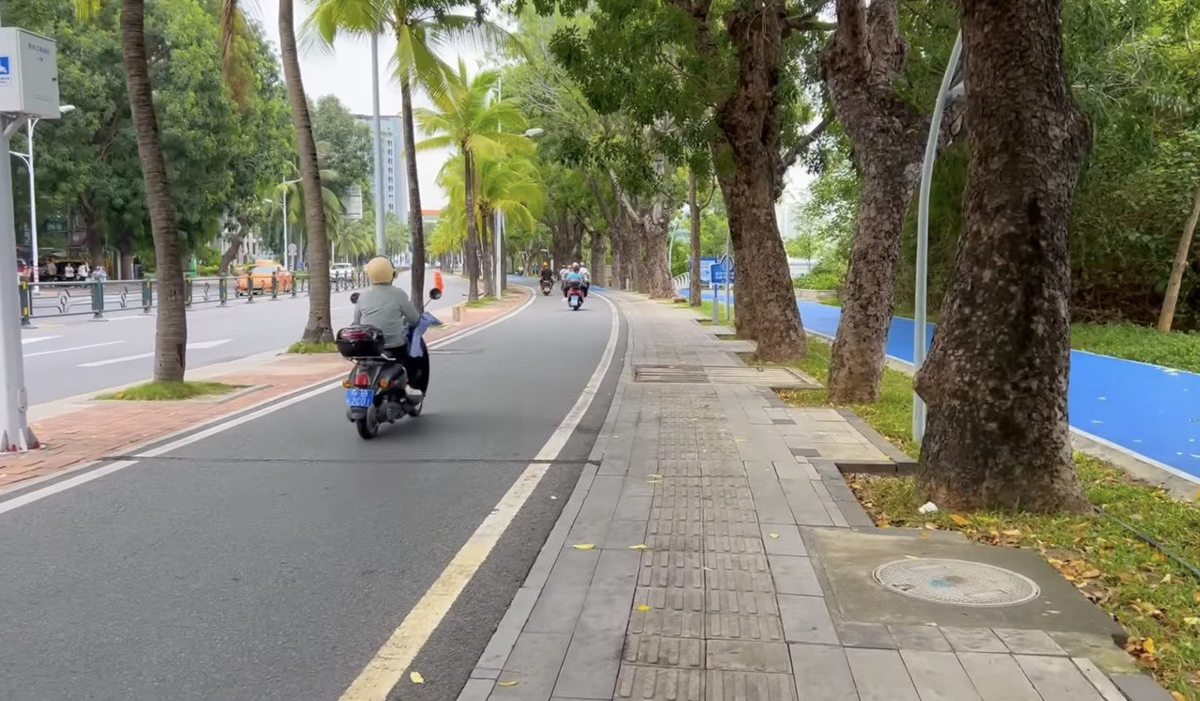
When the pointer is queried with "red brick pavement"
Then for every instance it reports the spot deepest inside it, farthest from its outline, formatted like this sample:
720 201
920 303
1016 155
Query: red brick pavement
102 429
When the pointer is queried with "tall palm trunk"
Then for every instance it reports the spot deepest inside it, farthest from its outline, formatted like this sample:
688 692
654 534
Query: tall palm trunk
415 223
170 338
319 328
694 297
472 266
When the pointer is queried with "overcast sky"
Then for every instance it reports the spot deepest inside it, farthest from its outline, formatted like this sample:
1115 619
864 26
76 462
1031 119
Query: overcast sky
346 72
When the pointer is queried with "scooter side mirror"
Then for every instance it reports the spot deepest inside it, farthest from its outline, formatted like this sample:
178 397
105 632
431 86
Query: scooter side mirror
435 293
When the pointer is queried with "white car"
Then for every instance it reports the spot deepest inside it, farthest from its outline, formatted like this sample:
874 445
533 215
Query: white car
341 271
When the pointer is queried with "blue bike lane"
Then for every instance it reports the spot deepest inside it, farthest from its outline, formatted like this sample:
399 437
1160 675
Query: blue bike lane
1149 411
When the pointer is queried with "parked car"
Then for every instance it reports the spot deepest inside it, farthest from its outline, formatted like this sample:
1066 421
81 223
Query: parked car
341 271
258 279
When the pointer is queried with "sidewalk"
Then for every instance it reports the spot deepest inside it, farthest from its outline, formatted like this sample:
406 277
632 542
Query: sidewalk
712 550
79 431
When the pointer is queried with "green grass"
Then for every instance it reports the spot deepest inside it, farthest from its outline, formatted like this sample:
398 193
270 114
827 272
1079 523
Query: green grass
1142 343
1156 599
312 348
170 391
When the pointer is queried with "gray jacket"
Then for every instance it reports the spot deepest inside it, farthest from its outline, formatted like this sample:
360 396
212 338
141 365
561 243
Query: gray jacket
389 309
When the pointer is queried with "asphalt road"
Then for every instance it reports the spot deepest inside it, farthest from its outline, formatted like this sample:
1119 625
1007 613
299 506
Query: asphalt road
69 356
273 559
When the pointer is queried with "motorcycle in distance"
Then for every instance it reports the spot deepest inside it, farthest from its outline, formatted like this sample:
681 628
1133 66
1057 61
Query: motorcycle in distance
375 386
547 285
575 295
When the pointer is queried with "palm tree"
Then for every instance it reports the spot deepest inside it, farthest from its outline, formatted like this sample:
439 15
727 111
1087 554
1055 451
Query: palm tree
170 338
319 328
420 29
466 118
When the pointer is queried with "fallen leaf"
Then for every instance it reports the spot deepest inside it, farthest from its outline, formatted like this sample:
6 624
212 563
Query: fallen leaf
416 678
912 557
960 520
1148 645
1014 532
639 546
1089 574
507 685
643 608
654 477
1192 621
1178 696
583 546
773 536
925 534
1196 597
1166 579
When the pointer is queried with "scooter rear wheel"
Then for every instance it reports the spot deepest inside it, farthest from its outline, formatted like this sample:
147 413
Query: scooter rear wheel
368 426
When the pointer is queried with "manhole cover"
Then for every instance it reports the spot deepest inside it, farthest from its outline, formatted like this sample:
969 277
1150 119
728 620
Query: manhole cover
957 582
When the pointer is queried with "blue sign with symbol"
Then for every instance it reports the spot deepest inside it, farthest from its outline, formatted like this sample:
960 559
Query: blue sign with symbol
706 265
722 272
5 69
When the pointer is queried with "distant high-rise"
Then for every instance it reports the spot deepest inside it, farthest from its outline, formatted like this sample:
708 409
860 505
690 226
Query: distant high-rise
395 182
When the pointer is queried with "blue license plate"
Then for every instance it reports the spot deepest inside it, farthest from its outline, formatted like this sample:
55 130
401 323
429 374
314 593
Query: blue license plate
360 397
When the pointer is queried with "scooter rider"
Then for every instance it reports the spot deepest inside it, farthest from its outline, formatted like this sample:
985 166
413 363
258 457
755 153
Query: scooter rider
547 273
388 308
573 278
587 278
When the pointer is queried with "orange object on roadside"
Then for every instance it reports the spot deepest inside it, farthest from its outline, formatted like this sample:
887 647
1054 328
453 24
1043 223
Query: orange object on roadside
437 281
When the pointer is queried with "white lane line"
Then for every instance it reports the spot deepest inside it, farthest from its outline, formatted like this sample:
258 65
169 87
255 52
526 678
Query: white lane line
38 339
270 406
72 348
127 358
386 669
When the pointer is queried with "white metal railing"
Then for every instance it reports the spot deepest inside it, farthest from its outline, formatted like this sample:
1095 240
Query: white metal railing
682 281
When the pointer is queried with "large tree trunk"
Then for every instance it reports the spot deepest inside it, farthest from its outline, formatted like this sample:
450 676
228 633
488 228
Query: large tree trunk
319 328
170 339
231 252
656 230
996 379
598 259
415 221
750 121
695 296
473 253
1167 316
864 59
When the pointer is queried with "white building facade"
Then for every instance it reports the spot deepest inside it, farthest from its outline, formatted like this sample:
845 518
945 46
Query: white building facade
394 197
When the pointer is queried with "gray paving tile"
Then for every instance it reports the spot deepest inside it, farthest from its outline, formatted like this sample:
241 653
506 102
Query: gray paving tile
769 498
623 534
1028 642
747 656
660 651
743 686
633 508
562 598
822 673
973 640
1140 688
534 665
594 516
865 635
807 508
783 539
617 569
997 677
737 602
880 675
938 676
671 568
645 683
794 575
744 626
1057 678
476 690
1108 690
683 618
806 620
591 666
919 638
485 673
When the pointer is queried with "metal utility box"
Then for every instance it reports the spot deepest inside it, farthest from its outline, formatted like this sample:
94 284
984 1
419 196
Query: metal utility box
28 74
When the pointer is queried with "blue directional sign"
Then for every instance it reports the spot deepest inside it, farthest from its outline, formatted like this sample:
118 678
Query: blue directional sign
706 265
721 272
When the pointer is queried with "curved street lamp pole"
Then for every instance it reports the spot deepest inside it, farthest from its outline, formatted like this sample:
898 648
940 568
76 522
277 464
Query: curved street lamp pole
28 158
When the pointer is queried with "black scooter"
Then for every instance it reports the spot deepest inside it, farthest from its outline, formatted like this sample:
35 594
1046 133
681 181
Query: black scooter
547 286
375 386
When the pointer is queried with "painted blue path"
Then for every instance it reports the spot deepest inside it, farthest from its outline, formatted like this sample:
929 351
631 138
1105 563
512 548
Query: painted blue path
1144 409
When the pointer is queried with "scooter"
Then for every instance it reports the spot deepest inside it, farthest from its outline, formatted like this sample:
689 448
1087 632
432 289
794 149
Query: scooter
575 296
375 387
547 286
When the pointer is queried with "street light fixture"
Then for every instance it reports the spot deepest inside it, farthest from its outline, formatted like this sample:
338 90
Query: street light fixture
28 158
498 236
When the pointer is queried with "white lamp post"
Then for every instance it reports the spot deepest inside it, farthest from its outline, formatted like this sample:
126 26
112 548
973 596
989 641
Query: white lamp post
287 264
498 236
28 158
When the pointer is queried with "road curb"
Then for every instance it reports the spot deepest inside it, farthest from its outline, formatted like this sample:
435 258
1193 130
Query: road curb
487 669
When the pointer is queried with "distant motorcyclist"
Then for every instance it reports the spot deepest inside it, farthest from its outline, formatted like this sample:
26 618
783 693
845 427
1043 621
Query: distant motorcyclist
388 308
573 278
547 273
587 278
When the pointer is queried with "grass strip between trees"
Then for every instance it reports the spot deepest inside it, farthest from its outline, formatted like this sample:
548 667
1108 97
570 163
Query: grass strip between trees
1156 599
299 348
170 391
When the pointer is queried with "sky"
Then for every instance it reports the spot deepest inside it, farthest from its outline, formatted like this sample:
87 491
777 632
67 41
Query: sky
346 73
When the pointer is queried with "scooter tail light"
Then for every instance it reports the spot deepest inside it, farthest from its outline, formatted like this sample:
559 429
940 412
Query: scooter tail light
362 380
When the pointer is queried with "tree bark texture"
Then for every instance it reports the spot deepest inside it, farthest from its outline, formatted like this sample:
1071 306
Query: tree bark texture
751 123
473 253
860 66
416 224
695 296
170 338
1167 316
319 328
487 253
996 379
598 253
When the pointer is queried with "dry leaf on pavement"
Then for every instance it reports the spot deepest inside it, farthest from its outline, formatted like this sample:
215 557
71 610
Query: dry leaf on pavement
507 685
416 678
583 546
643 608
960 520
639 546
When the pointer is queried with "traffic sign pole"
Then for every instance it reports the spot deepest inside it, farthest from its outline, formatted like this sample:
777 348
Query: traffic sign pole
16 436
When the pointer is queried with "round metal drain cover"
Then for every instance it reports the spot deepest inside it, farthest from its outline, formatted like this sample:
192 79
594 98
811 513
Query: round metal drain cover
957 582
